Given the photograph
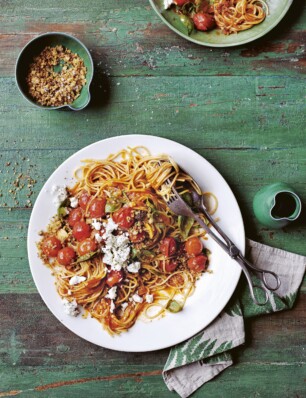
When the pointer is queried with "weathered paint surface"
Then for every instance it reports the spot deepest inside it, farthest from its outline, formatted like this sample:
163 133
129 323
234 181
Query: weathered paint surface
241 108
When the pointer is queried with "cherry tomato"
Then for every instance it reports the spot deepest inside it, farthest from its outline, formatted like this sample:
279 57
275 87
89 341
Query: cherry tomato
51 246
204 21
124 217
86 246
194 246
74 216
170 266
180 3
114 277
84 199
168 246
197 263
81 230
139 237
97 208
66 256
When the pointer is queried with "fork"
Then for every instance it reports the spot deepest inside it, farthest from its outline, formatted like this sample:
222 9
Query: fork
178 206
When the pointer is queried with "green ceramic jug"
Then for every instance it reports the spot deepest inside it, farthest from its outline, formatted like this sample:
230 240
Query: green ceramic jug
276 205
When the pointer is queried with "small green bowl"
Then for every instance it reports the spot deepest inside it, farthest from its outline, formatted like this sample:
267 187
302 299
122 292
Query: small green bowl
35 47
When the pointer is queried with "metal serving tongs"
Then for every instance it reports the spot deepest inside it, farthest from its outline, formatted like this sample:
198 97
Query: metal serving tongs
177 204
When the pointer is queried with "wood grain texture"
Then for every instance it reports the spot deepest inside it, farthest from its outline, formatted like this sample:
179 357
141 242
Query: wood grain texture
242 108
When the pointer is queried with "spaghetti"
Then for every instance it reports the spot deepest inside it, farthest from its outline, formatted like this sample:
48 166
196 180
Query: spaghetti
234 16
231 16
116 249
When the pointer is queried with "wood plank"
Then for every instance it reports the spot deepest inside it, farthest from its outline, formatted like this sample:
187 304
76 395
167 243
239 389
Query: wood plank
39 355
267 110
129 39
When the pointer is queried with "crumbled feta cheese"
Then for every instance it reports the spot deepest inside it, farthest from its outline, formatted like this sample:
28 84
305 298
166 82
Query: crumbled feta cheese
137 298
74 202
112 293
75 280
96 224
69 292
134 267
110 226
149 298
60 194
116 250
112 306
122 240
70 307
123 306
98 238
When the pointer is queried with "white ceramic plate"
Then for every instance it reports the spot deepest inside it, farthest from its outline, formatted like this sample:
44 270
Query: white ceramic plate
213 290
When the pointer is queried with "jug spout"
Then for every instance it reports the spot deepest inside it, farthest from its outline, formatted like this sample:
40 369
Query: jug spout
287 206
276 205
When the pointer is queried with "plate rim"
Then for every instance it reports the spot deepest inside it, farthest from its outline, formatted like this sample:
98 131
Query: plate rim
249 40
29 244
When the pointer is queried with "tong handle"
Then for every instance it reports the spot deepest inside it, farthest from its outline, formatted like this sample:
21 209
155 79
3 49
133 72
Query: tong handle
235 254
252 287
265 273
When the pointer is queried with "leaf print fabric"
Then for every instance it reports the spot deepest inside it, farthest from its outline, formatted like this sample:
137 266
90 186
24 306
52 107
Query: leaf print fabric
201 358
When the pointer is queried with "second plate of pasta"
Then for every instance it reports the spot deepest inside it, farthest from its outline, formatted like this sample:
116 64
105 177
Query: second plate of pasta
221 23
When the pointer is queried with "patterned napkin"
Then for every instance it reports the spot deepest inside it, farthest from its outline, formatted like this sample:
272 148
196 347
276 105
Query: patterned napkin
201 358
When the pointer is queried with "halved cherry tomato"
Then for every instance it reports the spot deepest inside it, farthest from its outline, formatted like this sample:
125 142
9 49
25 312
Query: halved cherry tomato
204 21
168 246
74 216
66 256
170 266
124 217
86 246
194 246
51 246
81 230
84 199
139 237
97 207
197 263
114 277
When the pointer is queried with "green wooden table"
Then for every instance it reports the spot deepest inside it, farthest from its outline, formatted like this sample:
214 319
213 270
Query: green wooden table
241 108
